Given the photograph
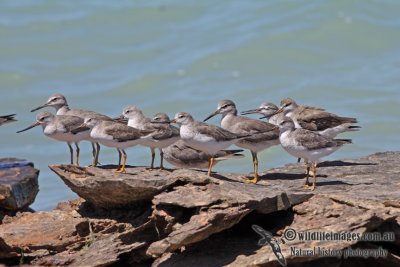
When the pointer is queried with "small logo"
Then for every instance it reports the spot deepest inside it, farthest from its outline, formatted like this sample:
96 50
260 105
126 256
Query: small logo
290 234
268 238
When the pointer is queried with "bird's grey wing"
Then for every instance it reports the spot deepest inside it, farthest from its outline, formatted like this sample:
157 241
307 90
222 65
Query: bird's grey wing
259 130
216 132
318 120
164 132
69 123
88 114
188 155
312 140
311 108
121 132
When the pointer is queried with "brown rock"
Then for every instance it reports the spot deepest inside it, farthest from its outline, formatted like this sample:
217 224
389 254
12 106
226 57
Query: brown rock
195 220
64 237
18 184
199 228
108 189
356 196
48 231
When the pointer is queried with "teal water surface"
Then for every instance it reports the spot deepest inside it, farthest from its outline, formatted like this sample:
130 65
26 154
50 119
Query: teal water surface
170 56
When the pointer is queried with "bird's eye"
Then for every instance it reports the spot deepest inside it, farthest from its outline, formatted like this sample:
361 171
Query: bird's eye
180 116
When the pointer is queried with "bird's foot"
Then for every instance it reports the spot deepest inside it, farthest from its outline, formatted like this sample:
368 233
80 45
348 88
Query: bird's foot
309 187
122 170
253 180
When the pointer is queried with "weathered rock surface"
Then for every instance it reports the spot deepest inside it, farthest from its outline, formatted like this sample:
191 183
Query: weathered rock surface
105 188
190 219
65 237
18 184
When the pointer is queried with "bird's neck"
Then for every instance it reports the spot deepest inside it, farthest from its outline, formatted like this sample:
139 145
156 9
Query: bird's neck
136 122
226 120
62 109
231 113
286 130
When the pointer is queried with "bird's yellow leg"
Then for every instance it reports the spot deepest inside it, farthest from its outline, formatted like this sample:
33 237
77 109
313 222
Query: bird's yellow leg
306 185
314 176
255 167
122 170
119 159
210 164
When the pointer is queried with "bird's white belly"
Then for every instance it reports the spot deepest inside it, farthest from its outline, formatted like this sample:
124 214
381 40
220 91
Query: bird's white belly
291 146
203 142
84 135
257 147
334 131
148 143
316 154
107 140
167 142
58 135
116 144
298 151
135 124
63 137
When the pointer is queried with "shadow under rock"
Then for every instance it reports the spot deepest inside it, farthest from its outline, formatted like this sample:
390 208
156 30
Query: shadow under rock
223 248
339 163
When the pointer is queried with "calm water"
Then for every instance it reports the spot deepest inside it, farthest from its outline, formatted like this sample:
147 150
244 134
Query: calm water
185 56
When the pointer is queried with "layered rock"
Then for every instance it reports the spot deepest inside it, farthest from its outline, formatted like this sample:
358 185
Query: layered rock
184 218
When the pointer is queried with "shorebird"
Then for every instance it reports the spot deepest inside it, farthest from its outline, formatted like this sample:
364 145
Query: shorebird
7 119
317 119
183 156
59 102
307 144
268 110
135 116
205 137
60 127
162 133
113 134
262 135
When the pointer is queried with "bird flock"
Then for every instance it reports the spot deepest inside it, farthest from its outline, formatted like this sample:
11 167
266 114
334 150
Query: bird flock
305 132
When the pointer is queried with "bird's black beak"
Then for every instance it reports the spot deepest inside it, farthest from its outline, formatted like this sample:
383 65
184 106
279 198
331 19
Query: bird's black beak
277 112
251 111
212 115
40 107
29 127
